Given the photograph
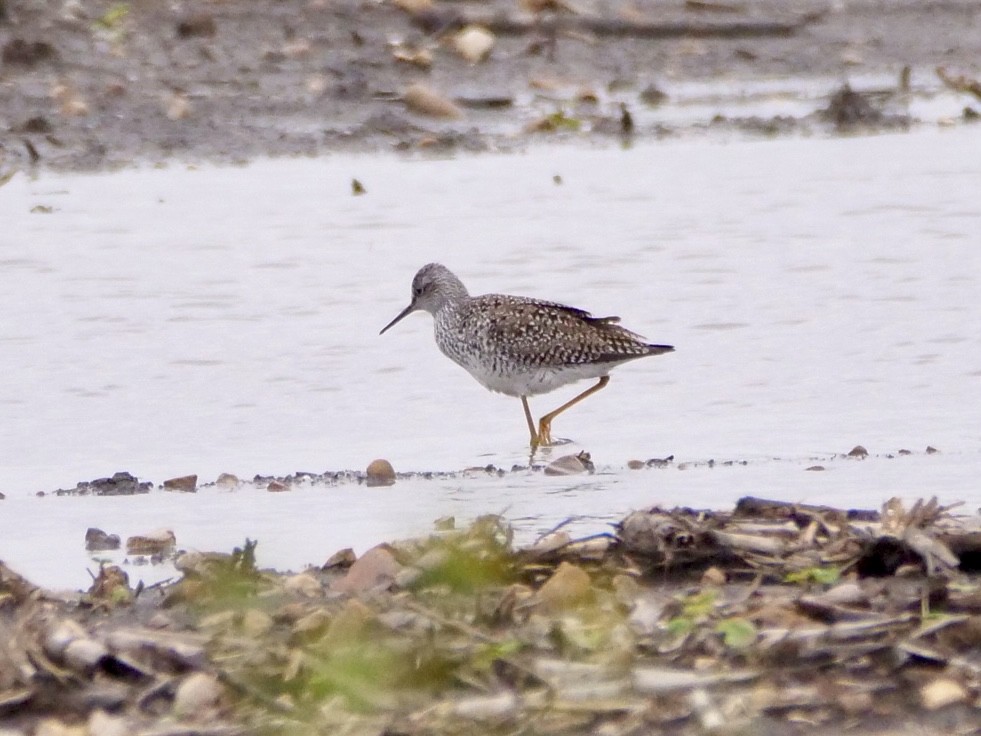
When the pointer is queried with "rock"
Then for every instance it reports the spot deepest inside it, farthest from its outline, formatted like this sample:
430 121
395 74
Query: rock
636 464
815 468
102 724
380 473
84 655
376 568
120 484
197 24
568 586
185 483
154 543
551 542
652 95
256 623
350 623
422 100
54 727
18 52
713 576
445 524
941 692
96 540
474 43
197 694
60 635
276 486
931 450
570 465
178 107
342 558
303 584
111 584
858 451
228 480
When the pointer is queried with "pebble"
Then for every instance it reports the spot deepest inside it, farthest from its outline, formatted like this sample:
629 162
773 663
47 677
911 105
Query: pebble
185 483
376 568
154 543
942 692
379 473
424 101
228 480
256 623
97 540
276 487
102 724
568 586
474 43
858 451
197 694
303 584
342 558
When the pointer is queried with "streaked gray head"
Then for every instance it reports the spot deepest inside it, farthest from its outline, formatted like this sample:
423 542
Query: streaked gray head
433 288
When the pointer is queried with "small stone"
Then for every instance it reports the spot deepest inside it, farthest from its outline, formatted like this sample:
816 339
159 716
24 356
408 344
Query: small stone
185 483
424 101
351 622
815 468
197 24
445 524
197 694
636 464
102 724
342 558
942 692
570 465
313 623
379 473
97 540
713 576
474 43
303 584
54 727
551 542
568 586
652 95
84 655
228 480
256 623
178 107
154 543
858 451
376 568
276 486
930 450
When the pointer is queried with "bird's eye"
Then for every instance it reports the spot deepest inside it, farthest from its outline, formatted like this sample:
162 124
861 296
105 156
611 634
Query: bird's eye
416 291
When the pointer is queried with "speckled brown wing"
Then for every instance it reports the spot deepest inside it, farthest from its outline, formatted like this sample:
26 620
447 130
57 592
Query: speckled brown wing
530 332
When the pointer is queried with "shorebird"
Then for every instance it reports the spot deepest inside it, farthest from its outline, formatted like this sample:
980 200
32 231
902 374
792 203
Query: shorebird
520 346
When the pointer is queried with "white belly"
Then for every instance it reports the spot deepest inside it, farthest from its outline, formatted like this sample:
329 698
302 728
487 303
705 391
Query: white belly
538 381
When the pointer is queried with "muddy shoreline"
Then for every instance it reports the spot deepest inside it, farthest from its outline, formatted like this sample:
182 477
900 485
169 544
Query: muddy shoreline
774 617
93 86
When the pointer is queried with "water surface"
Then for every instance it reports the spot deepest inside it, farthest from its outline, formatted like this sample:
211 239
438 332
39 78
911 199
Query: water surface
821 293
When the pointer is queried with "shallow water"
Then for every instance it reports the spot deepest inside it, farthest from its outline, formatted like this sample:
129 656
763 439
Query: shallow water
821 293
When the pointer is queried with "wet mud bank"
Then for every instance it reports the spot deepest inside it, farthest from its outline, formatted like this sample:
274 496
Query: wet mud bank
88 86
773 617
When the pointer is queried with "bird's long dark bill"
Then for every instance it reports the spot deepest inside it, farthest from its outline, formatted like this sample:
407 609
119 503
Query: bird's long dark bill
408 310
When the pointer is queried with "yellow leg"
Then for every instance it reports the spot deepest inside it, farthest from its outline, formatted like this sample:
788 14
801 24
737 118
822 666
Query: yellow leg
531 422
545 423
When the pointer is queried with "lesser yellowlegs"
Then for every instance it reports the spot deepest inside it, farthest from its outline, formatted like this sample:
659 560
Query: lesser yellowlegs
520 346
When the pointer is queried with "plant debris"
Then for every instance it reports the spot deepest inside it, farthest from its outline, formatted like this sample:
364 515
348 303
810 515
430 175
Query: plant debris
682 621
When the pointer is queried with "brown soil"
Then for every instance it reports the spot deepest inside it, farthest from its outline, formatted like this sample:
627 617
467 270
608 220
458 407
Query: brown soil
94 85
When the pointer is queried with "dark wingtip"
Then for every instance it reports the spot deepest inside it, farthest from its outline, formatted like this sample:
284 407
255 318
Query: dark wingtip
658 349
